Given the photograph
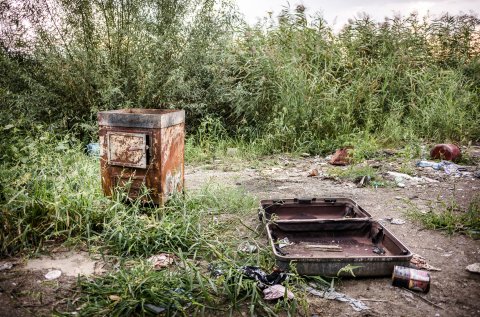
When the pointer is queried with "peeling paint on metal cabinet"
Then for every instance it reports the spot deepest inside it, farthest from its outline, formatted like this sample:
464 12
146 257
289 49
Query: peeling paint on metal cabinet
159 167
127 149
172 163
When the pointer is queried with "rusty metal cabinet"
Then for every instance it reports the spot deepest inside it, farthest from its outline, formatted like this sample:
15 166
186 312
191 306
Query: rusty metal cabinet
142 147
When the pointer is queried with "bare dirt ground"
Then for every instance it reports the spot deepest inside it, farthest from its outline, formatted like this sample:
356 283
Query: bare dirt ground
454 291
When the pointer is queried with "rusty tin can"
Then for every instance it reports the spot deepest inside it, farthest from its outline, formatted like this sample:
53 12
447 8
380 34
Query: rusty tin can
413 279
142 147
449 152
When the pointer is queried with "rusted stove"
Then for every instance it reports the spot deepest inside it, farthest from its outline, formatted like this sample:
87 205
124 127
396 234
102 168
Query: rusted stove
142 147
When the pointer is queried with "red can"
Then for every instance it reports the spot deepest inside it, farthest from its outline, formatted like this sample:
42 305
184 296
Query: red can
416 280
449 152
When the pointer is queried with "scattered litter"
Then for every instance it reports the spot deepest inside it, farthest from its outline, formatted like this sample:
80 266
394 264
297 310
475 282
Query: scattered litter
305 154
449 152
376 184
421 263
473 268
396 221
154 309
277 291
341 156
313 173
216 269
6 266
378 250
402 180
93 149
183 299
53 274
374 300
115 298
434 165
279 251
453 169
255 273
333 295
448 167
398 197
282 243
247 247
411 279
363 181
161 260
378 236
324 247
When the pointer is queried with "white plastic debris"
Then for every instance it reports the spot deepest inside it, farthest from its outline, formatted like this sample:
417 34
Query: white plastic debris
474 268
402 180
53 274
282 243
275 292
333 295
6 266
396 221
247 247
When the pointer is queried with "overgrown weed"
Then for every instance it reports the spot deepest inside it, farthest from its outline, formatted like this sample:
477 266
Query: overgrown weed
450 218
55 194
287 85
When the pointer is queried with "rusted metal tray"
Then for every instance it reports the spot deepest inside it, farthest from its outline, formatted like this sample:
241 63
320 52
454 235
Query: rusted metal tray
301 209
324 247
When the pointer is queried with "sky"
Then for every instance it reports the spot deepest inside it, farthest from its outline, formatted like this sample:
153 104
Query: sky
337 12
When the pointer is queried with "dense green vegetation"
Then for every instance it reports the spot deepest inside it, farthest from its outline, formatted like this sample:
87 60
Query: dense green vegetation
290 84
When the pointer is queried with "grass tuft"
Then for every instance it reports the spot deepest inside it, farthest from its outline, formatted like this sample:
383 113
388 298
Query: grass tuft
450 219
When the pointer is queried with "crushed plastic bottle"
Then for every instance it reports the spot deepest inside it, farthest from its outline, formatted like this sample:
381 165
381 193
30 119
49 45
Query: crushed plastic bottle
434 165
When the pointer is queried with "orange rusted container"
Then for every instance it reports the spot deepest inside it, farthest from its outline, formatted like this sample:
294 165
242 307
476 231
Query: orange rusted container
142 147
449 152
